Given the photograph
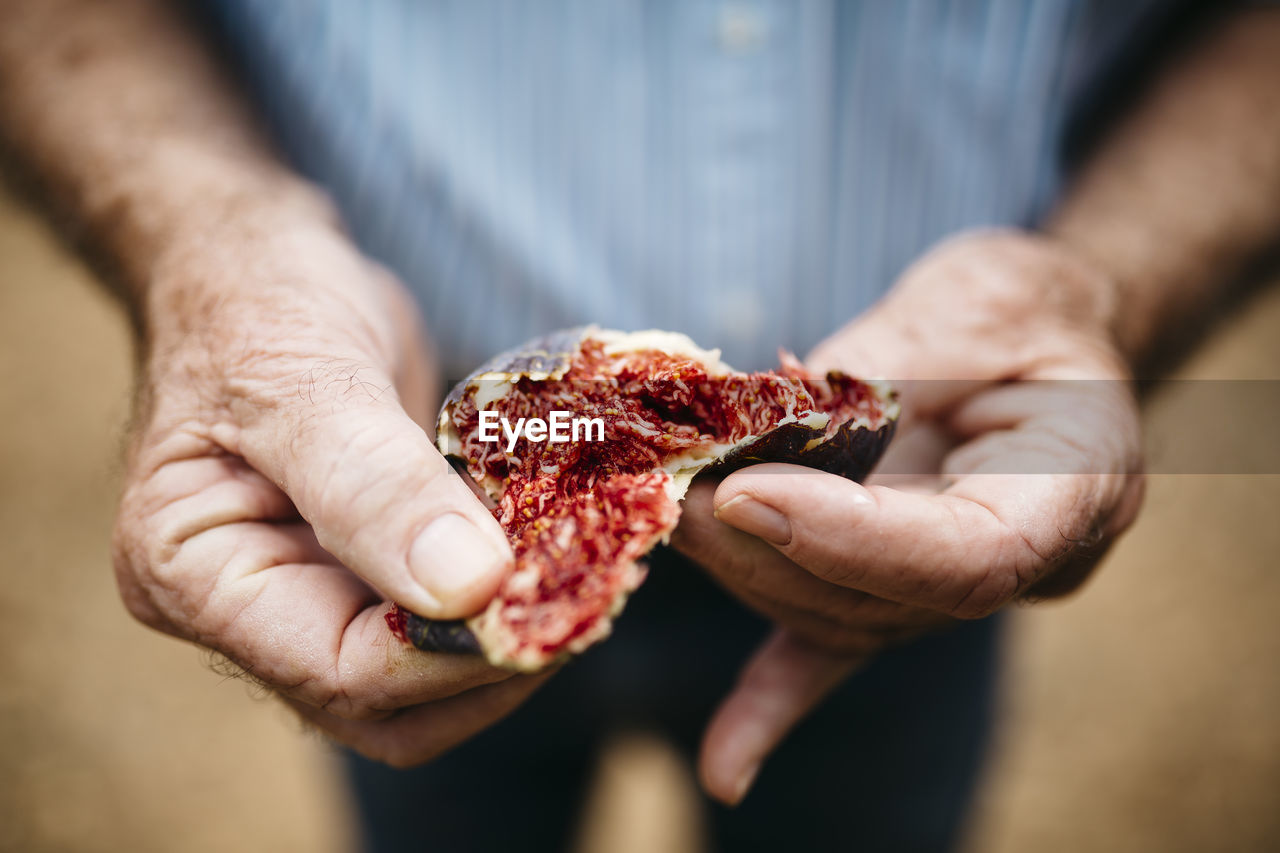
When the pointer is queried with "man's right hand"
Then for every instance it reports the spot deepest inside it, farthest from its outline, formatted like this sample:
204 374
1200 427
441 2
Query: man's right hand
279 489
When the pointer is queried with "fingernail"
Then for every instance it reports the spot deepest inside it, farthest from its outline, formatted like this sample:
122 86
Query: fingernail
451 556
750 516
744 782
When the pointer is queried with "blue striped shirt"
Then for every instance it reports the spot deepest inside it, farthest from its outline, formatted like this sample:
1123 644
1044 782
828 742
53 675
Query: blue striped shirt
751 172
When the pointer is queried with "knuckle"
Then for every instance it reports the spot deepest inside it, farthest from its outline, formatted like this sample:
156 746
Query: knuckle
141 607
123 547
129 560
319 689
345 697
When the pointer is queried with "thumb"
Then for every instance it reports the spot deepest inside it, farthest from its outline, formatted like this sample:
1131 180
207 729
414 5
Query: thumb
784 680
379 495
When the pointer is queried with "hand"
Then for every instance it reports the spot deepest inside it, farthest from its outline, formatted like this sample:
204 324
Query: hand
994 489
280 488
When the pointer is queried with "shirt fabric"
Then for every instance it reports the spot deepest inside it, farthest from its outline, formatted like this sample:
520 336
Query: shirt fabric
753 173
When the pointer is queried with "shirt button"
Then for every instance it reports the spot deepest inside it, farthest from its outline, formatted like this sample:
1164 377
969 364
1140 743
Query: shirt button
741 29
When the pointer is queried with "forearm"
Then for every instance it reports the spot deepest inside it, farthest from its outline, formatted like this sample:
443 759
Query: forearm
128 126
1185 192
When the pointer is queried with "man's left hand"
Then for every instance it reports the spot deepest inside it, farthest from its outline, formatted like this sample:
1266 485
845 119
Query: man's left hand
1017 462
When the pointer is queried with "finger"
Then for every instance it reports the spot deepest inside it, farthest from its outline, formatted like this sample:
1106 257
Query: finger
784 680
169 504
271 599
317 633
1089 428
380 496
419 734
1046 427
964 552
312 630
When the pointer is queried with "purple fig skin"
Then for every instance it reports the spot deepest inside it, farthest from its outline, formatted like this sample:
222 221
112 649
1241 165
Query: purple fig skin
850 452
550 354
433 635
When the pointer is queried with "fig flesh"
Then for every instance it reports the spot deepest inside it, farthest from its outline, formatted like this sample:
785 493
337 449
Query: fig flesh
581 514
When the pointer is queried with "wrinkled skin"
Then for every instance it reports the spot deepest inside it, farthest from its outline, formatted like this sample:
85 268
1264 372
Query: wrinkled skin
259 377
278 478
994 490
278 482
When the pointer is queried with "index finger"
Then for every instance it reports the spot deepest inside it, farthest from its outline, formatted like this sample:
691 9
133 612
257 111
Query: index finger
231 567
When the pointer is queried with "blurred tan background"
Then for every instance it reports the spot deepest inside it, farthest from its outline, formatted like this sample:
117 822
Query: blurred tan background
1141 715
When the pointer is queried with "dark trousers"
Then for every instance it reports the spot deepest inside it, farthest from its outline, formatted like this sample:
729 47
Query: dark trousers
888 762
